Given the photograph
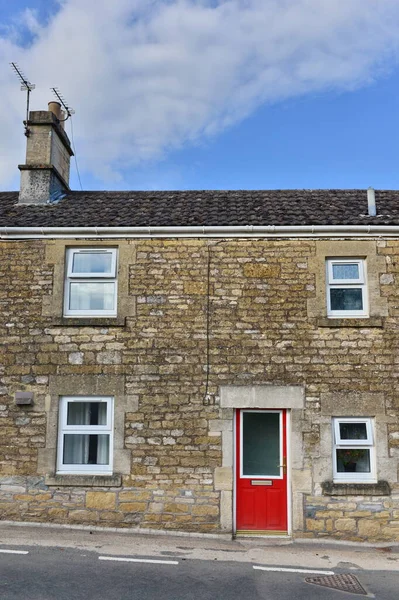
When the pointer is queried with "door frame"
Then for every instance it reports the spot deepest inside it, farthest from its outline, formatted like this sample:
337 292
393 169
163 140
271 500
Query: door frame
288 446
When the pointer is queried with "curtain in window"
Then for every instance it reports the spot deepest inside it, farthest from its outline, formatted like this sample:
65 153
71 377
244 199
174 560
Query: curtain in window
84 449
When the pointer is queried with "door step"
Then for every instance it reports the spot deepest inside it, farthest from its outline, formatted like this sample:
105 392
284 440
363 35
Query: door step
265 533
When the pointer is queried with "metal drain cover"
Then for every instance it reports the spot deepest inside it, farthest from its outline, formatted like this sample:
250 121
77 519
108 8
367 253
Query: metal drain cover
344 583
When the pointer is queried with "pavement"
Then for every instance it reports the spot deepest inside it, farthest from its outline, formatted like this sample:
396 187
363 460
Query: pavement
301 554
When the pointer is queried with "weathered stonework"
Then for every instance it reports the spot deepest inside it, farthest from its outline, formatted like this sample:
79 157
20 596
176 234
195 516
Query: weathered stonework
174 435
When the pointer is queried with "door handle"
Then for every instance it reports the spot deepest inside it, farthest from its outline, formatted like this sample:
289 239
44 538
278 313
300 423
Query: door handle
283 466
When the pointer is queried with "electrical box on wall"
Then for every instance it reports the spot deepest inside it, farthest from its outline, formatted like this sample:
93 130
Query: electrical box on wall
24 398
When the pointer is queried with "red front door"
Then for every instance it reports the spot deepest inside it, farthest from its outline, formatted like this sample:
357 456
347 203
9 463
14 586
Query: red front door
261 472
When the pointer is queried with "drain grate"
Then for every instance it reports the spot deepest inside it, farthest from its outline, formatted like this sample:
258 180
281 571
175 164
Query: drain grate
345 583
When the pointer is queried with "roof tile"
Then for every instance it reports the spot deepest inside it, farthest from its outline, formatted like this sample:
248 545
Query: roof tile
201 208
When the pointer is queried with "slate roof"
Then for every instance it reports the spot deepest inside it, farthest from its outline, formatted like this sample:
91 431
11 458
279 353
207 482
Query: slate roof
217 208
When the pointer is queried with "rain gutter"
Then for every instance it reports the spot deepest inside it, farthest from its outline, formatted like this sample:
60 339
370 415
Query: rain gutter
242 231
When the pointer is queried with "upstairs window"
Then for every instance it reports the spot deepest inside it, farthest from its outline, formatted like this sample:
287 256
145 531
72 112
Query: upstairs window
85 435
91 282
354 450
346 288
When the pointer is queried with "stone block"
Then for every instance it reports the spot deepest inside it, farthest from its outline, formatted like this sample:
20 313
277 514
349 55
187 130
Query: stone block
57 514
133 507
134 495
329 514
221 425
82 516
315 524
223 478
345 525
12 489
355 514
195 287
261 271
156 507
101 500
302 480
369 529
174 507
205 511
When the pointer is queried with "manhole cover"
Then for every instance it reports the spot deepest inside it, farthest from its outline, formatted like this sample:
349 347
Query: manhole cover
345 583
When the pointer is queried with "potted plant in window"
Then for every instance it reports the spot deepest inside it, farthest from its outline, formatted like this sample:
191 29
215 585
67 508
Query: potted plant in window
349 458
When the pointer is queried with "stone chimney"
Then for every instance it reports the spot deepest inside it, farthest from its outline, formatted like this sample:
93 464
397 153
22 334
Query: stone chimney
45 174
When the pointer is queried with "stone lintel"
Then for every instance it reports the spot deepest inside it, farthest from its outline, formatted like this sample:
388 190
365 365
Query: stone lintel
262 396
352 404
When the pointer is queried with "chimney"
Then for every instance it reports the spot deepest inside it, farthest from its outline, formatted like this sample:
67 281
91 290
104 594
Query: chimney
45 174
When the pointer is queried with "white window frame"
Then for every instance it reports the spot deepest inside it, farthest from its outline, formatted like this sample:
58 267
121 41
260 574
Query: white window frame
72 277
359 283
63 428
367 444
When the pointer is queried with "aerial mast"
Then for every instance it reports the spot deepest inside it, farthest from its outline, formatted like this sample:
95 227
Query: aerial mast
27 86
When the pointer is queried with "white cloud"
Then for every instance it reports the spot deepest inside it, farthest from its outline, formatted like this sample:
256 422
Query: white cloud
148 76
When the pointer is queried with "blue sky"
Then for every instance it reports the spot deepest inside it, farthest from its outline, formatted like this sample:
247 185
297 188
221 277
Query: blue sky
200 94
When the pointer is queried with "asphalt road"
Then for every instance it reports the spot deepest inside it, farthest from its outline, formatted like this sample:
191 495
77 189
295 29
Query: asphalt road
59 573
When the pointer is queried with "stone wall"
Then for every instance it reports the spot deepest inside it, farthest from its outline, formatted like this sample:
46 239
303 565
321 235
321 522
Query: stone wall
266 327
354 518
30 499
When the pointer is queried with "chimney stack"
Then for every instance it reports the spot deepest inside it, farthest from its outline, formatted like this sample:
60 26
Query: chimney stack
45 174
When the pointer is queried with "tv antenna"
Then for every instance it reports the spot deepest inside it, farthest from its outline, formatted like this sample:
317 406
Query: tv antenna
25 86
69 111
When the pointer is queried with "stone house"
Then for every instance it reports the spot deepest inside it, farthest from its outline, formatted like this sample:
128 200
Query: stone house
209 361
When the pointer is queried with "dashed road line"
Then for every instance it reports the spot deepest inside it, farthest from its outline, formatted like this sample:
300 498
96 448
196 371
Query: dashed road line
139 560
288 570
14 551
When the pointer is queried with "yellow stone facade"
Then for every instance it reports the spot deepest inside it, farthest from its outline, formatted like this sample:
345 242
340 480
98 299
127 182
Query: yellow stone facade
251 312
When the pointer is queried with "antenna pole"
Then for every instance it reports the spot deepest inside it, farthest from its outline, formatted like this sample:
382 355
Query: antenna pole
27 105
25 86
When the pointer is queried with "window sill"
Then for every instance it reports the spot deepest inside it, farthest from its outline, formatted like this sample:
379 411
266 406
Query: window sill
365 322
89 322
381 488
84 480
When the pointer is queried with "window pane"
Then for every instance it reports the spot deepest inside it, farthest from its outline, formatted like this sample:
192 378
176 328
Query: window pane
86 449
353 460
346 299
87 413
92 296
96 262
353 431
345 271
261 444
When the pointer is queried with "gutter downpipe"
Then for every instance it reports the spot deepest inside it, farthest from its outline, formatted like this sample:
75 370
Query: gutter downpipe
245 231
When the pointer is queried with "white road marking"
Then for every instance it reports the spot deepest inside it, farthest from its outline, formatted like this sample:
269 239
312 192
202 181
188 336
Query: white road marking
287 570
14 551
140 560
